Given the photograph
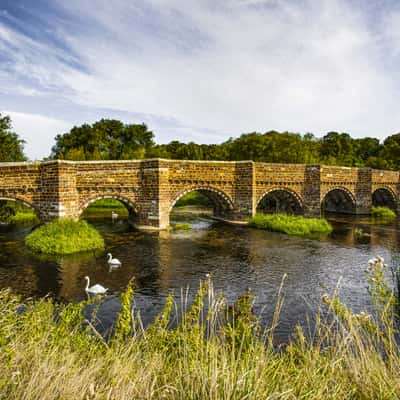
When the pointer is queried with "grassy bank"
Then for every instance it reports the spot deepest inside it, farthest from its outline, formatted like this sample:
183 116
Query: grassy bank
348 355
64 236
194 199
102 208
291 224
12 212
383 213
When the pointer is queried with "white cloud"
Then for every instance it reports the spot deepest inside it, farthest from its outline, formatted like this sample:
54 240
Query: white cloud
221 68
38 131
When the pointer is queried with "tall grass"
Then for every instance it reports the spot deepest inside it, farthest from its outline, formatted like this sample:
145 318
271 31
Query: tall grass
291 224
215 352
64 236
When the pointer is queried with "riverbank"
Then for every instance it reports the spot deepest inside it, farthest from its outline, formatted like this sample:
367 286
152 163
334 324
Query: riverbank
383 213
199 359
291 224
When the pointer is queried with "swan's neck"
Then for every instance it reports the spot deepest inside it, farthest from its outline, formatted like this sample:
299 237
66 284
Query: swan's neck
109 257
87 283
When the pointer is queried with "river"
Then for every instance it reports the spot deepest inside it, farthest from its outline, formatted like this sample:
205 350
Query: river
237 257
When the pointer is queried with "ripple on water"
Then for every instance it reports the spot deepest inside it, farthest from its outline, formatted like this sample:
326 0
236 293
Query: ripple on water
237 258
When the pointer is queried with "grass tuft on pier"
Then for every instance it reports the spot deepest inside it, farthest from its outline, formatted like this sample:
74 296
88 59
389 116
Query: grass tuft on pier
291 224
64 236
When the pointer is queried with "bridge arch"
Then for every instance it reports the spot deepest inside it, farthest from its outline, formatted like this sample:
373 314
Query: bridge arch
280 200
130 206
385 197
222 203
339 200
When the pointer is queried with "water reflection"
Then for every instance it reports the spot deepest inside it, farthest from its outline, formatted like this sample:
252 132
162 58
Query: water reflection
237 257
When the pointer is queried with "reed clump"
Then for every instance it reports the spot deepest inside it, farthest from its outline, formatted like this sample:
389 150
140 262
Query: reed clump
215 351
291 224
64 236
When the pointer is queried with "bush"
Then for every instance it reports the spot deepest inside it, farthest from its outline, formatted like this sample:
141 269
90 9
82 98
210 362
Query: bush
383 212
64 236
291 224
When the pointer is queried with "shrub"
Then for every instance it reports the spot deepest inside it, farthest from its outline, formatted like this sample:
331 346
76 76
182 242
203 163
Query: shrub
291 224
64 236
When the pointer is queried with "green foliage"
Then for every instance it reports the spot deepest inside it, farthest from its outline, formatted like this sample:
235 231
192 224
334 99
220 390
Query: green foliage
194 198
111 139
383 212
291 224
26 217
102 208
181 227
348 355
123 325
64 236
11 146
104 140
13 212
107 203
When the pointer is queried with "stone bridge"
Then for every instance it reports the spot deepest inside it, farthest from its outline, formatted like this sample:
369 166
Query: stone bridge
150 188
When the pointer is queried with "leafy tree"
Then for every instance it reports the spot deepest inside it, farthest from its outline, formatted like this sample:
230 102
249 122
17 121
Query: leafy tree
11 146
106 139
391 151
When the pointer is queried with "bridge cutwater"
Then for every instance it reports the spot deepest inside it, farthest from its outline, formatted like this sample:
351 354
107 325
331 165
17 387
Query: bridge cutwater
150 188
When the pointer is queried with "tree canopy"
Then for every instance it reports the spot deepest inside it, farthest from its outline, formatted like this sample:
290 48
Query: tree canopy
11 146
111 139
107 139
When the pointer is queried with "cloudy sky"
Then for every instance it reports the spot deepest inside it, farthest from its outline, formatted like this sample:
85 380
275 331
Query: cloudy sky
200 70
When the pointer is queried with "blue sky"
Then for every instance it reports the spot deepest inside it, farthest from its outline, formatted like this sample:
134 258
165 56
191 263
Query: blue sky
201 70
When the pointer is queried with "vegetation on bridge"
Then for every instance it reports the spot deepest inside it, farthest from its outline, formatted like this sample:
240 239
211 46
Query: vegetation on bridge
64 236
346 356
291 224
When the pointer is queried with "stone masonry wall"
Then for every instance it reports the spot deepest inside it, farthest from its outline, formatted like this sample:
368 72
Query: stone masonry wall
150 188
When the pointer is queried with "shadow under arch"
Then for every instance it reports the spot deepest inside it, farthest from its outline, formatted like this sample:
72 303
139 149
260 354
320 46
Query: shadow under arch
129 205
339 201
385 197
221 202
280 200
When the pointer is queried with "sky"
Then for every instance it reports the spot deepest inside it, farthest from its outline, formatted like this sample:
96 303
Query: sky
200 70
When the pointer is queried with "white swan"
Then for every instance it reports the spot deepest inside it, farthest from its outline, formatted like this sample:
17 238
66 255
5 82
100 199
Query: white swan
95 289
114 216
113 261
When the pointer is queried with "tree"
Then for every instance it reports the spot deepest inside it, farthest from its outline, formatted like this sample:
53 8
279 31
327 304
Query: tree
391 151
11 146
107 139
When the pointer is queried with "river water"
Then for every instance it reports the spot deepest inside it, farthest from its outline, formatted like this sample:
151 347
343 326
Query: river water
237 257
